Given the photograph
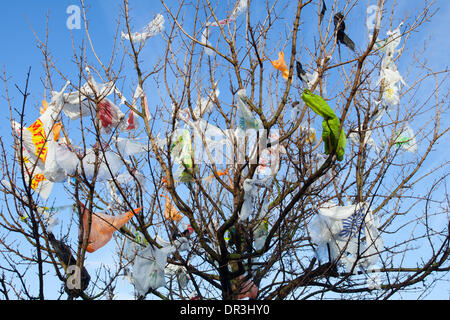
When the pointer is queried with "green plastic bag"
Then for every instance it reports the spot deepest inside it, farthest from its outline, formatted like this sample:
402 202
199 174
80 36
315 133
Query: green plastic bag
331 136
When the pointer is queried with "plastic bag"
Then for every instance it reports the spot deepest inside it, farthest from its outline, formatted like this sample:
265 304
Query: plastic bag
148 269
155 27
280 65
130 147
179 271
66 159
170 212
368 140
110 115
406 139
341 228
270 157
109 165
53 172
307 79
333 138
240 6
103 226
181 150
250 193
204 105
389 74
246 119
260 234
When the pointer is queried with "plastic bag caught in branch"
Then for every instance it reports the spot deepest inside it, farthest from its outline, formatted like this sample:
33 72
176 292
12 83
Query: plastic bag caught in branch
239 8
35 140
109 165
179 271
81 104
260 234
170 212
270 157
389 77
181 150
280 65
406 139
204 105
246 118
368 140
333 138
307 79
110 115
53 172
341 228
130 147
148 269
103 226
250 193
155 27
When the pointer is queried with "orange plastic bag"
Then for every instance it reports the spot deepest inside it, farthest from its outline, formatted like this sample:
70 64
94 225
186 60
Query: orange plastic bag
170 212
280 65
103 226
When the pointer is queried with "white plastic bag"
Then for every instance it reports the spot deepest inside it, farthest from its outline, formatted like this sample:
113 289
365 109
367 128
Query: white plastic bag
148 269
406 139
154 27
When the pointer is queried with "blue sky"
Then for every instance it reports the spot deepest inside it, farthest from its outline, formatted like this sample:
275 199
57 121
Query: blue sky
20 50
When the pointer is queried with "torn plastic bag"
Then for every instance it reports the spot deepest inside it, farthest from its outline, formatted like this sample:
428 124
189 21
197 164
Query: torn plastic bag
260 234
155 27
170 212
103 226
148 269
130 147
246 119
239 8
280 65
181 151
179 271
368 140
109 165
270 157
205 105
110 115
250 187
406 139
333 138
341 228
179 244
66 159
53 172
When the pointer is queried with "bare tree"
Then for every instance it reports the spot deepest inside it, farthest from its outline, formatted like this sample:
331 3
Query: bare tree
248 175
